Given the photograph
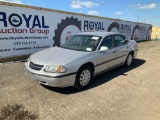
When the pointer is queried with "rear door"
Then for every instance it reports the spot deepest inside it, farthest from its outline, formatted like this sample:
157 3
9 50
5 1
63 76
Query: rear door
122 47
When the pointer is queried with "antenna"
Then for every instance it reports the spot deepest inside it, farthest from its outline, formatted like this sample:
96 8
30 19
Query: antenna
138 19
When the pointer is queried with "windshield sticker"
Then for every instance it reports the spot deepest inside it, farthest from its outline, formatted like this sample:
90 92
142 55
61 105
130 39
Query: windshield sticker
89 49
95 38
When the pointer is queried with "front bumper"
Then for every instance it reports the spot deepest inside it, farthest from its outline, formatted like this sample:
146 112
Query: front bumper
53 81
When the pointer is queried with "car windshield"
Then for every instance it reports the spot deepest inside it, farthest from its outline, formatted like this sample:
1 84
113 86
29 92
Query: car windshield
82 43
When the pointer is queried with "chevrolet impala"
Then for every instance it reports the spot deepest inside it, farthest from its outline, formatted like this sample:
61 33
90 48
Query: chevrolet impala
78 60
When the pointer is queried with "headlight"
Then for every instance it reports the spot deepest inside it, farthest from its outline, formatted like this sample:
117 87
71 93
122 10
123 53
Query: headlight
55 69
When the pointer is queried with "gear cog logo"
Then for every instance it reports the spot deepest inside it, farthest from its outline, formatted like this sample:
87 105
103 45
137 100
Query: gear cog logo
135 32
149 31
73 23
113 26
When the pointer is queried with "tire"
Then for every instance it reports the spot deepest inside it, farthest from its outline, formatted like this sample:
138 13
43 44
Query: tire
83 77
61 26
113 25
129 60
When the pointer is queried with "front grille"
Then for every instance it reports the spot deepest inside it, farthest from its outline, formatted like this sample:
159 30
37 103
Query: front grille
35 66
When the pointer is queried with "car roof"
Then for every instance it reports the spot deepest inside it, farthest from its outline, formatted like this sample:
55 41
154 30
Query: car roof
103 34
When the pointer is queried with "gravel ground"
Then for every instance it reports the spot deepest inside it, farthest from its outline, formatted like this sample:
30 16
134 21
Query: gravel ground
121 94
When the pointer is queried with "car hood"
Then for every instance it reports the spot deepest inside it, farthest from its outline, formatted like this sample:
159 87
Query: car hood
57 56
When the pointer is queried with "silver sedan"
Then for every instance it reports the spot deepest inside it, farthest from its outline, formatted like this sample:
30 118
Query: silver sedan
81 58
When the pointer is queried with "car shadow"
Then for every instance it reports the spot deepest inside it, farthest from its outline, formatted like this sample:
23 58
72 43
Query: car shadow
101 79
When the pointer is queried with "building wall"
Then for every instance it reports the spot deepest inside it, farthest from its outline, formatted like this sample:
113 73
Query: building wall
25 29
155 29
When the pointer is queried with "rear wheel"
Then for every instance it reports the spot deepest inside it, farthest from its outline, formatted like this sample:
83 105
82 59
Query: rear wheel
129 60
83 77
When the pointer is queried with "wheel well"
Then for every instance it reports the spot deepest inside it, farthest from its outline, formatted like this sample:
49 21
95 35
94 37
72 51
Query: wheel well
132 52
89 64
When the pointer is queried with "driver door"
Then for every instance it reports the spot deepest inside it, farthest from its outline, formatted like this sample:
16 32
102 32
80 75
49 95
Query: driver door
106 59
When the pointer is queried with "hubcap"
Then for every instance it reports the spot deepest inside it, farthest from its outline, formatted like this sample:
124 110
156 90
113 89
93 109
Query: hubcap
129 60
85 77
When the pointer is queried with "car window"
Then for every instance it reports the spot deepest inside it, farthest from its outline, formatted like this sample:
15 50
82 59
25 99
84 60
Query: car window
120 40
108 42
82 42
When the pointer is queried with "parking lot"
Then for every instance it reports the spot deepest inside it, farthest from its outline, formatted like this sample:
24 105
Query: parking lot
121 94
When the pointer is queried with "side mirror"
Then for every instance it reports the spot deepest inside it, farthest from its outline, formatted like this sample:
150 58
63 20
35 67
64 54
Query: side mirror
103 48
124 42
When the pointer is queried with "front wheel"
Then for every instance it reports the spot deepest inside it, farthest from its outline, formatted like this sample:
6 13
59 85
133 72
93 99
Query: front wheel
83 77
129 60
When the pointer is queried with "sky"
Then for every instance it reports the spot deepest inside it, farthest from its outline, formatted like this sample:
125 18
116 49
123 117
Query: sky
145 11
